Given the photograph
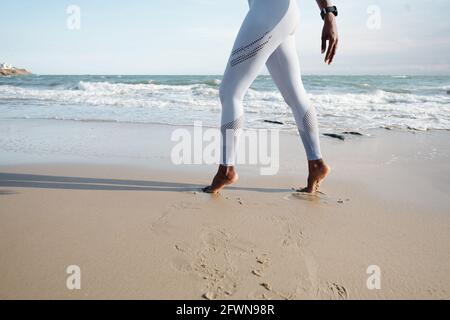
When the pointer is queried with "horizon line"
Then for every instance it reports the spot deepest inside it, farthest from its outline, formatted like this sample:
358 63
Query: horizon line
220 75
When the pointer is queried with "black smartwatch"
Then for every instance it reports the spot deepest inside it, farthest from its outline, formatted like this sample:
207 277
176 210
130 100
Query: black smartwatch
325 11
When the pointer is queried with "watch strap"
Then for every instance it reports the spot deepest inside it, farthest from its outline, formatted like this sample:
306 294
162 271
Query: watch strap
325 11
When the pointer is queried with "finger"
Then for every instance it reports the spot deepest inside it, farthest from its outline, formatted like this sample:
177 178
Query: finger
327 55
331 49
324 45
333 53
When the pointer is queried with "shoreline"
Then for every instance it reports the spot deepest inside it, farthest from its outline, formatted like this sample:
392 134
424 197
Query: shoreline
40 141
284 130
105 197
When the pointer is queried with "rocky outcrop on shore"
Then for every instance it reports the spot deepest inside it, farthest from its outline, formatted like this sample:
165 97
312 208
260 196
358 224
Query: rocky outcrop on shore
13 72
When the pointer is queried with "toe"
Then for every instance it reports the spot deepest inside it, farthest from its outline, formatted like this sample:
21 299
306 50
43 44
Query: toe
208 190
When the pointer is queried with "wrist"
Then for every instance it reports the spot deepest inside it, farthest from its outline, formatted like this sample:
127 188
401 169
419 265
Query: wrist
329 17
327 11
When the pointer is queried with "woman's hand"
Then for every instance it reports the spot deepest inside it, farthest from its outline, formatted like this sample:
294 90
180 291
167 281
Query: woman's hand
330 34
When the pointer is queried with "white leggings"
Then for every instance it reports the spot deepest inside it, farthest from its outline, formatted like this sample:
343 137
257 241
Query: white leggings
267 36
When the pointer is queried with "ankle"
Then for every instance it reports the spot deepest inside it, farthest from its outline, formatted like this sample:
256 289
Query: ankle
316 164
226 170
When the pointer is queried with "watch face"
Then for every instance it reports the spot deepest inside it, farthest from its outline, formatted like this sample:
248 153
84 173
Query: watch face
326 10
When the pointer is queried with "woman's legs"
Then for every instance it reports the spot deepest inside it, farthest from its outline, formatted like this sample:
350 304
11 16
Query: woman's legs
265 27
284 68
265 36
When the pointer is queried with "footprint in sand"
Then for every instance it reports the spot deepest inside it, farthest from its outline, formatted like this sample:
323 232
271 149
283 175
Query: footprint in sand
210 266
182 247
220 277
262 262
161 226
263 259
291 232
258 272
214 261
218 239
292 238
339 291
182 265
335 291
266 288
319 197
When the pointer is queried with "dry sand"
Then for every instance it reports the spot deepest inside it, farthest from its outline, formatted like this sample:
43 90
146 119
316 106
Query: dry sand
138 227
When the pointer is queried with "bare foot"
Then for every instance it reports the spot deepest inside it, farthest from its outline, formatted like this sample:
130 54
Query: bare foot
224 177
318 171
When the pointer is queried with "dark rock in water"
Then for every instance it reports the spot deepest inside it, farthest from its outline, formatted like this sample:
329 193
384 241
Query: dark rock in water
334 135
354 133
412 128
274 122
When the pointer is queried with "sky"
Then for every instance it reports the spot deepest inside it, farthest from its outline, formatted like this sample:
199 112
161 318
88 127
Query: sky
196 36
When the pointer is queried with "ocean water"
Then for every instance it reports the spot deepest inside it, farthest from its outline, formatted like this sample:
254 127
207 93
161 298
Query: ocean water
342 102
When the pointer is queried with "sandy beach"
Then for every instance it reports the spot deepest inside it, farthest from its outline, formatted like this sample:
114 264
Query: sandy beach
107 198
